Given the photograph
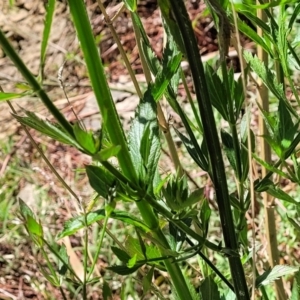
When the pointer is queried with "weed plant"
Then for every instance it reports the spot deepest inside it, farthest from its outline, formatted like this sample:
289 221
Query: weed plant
172 226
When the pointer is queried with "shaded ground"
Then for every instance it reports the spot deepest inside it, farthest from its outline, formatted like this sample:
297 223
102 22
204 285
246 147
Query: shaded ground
23 24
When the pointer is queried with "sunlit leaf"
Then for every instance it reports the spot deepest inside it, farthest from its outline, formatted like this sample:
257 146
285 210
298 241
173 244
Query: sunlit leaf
271 275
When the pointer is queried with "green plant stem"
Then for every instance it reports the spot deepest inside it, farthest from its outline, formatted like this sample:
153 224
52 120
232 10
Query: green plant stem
96 256
214 149
17 61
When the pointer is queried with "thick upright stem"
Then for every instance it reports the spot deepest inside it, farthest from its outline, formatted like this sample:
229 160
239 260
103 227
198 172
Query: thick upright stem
214 149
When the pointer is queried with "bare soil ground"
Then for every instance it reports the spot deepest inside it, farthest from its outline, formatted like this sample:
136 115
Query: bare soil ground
23 24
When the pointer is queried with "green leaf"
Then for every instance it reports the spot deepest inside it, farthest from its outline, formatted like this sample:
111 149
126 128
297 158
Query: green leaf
296 287
197 156
50 8
205 216
131 5
147 281
85 139
132 261
63 265
10 96
229 148
54 131
269 167
106 291
280 194
271 275
25 210
164 75
286 128
74 224
195 197
34 227
107 153
266 75
124 270
133 247
217 91
209 289
111 120
121 254
294 16
249 32
100 180
144 142
295 224
168 17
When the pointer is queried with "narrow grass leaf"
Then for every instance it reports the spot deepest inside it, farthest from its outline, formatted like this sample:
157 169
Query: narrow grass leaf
271 275
50 8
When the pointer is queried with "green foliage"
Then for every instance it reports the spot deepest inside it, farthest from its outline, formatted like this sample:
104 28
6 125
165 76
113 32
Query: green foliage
125 166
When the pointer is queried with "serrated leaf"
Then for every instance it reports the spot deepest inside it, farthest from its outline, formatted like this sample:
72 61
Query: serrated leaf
164 76
271 275
74 224
124 270
145 153
209 289
266 75
52 130
121 254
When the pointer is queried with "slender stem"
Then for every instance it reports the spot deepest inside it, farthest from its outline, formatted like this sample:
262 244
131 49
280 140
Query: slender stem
17 61
214 149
